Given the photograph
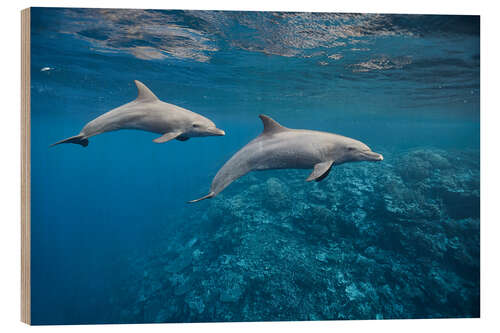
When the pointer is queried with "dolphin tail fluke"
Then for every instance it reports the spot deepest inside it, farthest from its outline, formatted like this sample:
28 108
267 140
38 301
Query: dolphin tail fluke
208 196
77 139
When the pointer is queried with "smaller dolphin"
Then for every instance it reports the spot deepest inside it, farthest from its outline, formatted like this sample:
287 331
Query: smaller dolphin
148 113
278 147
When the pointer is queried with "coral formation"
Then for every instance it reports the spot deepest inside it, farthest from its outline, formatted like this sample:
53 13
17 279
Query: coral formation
399 239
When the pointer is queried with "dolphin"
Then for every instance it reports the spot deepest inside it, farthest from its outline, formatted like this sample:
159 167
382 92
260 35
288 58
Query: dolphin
278 147
148 113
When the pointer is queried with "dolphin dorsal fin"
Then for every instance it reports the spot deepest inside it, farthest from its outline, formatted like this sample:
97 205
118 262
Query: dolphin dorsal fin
143 93
270 125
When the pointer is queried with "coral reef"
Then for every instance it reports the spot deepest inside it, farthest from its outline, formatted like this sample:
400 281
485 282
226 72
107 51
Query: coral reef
398 239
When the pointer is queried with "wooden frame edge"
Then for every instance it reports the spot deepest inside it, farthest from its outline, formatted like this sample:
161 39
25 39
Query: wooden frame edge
25 167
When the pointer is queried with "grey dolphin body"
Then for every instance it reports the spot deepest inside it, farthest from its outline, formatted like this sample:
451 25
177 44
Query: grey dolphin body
148 113
278 147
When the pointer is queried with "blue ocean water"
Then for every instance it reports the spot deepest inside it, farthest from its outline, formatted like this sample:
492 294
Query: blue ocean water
113 239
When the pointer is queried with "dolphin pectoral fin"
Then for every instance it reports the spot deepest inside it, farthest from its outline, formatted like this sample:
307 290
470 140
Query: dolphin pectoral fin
321 170
167 137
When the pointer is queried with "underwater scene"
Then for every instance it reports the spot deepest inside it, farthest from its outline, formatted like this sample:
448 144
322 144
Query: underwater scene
113 237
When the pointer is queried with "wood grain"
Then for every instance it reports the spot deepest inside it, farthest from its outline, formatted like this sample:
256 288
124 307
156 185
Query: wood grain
25 168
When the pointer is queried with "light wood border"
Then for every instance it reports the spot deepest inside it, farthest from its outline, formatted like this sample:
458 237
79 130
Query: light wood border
25 167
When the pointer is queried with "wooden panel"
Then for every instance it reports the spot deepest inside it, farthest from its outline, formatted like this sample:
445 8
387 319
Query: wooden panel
25 168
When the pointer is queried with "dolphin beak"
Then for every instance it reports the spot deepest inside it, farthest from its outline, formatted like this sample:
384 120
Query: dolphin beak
217 132
372 156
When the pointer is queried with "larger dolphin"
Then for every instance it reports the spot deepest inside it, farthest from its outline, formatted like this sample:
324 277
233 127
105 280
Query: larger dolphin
148 113
278 147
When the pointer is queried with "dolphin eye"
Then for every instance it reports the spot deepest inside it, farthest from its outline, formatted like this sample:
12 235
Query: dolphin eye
350 148
196 125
